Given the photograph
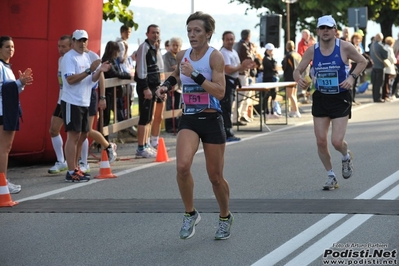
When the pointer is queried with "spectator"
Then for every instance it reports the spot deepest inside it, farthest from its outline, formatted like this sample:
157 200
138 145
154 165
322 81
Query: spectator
270 74
173 100
338 34
123 101
356 39
64 45
159 103
96 136
303 44
395 82
378 54
148 78
111 55
390 72
244 50
75 100
232 68
10 111
290 62
345 35
167 45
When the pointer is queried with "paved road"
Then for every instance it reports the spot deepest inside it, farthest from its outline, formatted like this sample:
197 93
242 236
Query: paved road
282 217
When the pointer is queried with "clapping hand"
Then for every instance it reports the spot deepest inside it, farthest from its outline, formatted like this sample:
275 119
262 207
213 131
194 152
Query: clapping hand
26 77
105 66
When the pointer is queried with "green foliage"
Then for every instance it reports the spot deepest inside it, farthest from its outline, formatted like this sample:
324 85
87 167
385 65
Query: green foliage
118 9
304 13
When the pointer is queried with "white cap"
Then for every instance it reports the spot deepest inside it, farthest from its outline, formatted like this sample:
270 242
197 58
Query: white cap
326 21
269 46
80 34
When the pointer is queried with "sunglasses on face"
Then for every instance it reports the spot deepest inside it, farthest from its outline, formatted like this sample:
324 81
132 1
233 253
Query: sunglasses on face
325 27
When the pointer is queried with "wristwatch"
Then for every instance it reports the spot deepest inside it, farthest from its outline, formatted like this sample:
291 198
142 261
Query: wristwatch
88 72
194 74
354 76
102 98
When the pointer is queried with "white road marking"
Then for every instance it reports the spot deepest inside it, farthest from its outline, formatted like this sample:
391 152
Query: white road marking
314 251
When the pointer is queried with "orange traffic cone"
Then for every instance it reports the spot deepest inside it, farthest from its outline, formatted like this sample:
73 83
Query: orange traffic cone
162 154
5 197
105 169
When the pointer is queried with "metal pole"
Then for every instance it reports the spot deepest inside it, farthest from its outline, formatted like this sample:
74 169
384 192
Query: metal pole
192 6
288 21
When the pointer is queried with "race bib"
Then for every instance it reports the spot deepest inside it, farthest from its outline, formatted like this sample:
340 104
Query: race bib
327 82
195 99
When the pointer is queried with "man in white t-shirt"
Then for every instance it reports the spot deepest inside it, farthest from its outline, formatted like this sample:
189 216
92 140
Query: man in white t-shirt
79 76
232 68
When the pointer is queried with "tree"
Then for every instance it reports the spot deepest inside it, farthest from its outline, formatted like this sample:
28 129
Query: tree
304 13
113 9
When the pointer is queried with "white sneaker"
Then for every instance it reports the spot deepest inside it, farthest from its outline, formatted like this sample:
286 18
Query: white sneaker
294 114
111 152
146 153
153 149
12 188
85 168
58 167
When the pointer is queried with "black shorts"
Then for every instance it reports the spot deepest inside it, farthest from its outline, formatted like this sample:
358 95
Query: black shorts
57 111
1 120
93 103
332 105
76 118
208 126
146 107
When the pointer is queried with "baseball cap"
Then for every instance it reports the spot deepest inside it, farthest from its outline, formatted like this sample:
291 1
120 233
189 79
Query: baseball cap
269 46
326 21
80 34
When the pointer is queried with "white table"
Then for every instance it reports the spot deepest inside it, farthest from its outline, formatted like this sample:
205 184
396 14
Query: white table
264 87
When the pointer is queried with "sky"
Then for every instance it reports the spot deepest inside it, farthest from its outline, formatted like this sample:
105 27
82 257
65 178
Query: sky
215 7
185 6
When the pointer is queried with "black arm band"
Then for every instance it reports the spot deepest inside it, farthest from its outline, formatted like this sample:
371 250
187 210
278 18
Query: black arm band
200 79
170 82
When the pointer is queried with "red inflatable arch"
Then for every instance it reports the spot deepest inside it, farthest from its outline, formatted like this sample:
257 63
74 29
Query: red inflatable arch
36 26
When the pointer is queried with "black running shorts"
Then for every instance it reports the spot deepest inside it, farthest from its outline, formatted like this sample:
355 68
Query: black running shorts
208 126
332 105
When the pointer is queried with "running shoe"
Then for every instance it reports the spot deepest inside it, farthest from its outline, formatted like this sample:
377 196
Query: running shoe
224 227
76 176
111 152
85 168
331 183
12 188
189 222
152 149
232 138
58 167
347 166
146 153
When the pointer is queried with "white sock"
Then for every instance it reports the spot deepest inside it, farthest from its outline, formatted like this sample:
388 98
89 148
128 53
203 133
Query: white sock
154 140
85 151
330 173
58 148
346 157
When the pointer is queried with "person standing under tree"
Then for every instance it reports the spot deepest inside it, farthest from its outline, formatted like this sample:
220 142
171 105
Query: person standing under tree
332 98
201 72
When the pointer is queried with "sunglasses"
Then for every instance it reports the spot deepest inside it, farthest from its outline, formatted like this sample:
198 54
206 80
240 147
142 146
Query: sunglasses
325 27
